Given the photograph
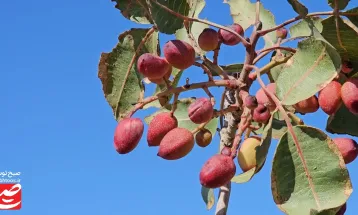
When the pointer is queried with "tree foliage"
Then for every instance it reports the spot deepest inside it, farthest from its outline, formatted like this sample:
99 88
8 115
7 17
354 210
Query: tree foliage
309 173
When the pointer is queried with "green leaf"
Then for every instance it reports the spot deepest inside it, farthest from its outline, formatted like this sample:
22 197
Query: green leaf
275 72
165 21
348 42
261 154
215 69
123 91
136 11
341 4
279 127
184 121
353 17
244 177
311 178
311 68
244 12
231 68
332 211
343 122
305 27
208 196
298 7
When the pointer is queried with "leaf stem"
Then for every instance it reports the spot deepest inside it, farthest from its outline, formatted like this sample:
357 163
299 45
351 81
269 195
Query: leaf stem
243 125
212 98
206 70
336 19
175 102
222 107
295 118
216 54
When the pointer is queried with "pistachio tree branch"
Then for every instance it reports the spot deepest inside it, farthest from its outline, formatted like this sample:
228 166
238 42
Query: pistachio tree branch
233 84
336 19
277 47
206 70
216 54
216 114
250 51
222 73
175 103
287 22
244 124
222 107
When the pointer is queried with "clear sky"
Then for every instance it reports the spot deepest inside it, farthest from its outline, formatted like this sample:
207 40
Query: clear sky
57 128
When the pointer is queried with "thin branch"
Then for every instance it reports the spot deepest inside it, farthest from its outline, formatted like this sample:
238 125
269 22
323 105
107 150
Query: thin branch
244 124
222 107
222 73
201 126
216 54
212 98
250 51
167 83
278 47
217 83
287 22
206 70
336 19
175 103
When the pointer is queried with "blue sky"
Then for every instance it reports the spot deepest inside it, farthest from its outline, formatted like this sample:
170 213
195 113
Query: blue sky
57 128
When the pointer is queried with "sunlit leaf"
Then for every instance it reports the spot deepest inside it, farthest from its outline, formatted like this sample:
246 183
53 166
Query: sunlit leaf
208 196
122 90
305 27
311 177
314 65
